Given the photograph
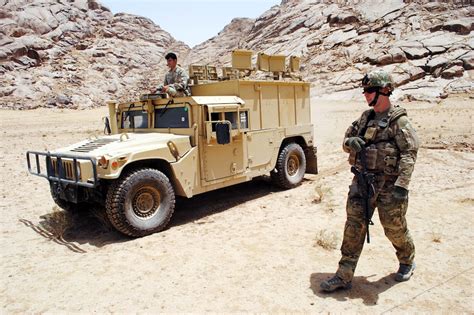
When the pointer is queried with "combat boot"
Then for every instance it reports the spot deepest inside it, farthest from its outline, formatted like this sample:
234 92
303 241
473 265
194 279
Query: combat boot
404 272
335 283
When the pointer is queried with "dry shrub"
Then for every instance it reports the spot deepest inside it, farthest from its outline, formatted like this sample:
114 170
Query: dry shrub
320 192
326 240
57 222
435 237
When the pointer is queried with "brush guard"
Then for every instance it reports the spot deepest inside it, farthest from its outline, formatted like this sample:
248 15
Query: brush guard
63 174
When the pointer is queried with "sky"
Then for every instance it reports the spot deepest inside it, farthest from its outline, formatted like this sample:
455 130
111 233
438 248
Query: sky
191 21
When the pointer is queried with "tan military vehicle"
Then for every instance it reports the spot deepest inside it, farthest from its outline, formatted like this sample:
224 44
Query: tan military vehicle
229 131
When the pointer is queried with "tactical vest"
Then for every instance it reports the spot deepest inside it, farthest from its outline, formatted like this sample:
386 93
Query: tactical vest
382 152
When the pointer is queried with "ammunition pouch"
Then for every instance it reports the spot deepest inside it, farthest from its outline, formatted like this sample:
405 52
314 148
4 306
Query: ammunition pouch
371 158
379 160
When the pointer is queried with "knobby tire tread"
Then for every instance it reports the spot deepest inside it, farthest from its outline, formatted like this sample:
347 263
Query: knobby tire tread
116 199
280 178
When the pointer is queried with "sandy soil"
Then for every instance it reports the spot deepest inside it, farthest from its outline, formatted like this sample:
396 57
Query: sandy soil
249 248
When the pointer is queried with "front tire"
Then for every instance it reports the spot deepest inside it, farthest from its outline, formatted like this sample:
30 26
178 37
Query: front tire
290 167
140 203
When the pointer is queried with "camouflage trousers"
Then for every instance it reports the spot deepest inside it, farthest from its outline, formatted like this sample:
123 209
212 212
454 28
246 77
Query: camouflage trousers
392 217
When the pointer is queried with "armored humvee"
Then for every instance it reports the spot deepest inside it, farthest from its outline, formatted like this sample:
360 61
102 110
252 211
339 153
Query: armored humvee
230 130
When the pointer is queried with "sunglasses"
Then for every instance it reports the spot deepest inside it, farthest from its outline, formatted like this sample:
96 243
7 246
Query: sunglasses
370 90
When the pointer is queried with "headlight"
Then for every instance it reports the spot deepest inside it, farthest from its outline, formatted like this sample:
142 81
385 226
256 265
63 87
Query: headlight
103 162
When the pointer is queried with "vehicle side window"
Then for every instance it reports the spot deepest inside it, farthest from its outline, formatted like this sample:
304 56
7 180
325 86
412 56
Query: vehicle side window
134 119
244 120
238 118
234 118
215 117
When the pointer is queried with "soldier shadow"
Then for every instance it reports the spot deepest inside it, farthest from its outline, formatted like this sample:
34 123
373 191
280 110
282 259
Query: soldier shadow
209 203
362 288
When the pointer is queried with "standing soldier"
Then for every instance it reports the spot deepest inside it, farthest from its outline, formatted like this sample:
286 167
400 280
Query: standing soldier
176 80
383 146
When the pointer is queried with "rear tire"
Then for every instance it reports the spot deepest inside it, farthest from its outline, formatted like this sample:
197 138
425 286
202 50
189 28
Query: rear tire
290 167
141 202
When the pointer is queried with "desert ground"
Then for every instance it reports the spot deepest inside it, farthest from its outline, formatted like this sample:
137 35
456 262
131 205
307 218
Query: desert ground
248 248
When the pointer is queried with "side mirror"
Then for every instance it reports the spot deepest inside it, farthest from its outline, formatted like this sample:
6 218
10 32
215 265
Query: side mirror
223 132
107 130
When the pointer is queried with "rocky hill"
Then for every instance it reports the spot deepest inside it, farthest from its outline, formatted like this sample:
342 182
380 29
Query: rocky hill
77 54
428 46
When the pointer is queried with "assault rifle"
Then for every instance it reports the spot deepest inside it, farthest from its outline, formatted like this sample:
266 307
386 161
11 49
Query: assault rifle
365 182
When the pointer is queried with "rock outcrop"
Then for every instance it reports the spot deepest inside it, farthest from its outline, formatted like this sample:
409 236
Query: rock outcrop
77 54
428 46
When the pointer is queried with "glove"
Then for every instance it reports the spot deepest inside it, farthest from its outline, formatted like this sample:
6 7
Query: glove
159 88
355 143
400 194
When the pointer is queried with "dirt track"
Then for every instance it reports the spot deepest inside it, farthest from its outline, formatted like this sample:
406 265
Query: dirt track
249 248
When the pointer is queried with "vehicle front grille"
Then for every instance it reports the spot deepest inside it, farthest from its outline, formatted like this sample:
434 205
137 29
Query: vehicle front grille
68 167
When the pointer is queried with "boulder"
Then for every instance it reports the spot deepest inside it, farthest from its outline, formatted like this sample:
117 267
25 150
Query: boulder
415 52
4 14
315 22
373 10
19 32
384 60
441 39
339 37
59 99
397 55
35 42
435 50
468 60
461 26
7 90
470 43
453 72
436 63
5 40
435 7
30 21
15 49
342 18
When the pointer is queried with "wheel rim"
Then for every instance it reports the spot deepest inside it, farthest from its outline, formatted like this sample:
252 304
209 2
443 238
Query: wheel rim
146 202
293 165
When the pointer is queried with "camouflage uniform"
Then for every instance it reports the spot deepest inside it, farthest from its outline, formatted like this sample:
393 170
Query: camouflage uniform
177 79
391 152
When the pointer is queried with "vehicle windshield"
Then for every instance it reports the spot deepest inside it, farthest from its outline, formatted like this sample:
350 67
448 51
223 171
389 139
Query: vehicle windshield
134 119
172 117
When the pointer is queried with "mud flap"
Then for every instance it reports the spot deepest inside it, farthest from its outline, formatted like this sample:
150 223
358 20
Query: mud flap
311 160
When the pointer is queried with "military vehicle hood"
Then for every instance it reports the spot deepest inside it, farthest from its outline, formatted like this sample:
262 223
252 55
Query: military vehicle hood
126 143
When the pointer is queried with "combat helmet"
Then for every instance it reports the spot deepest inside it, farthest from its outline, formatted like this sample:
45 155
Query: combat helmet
378 78
374 81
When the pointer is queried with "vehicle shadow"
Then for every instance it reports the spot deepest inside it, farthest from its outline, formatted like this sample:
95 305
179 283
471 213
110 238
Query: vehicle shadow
72 229
206 204
362 288
91 226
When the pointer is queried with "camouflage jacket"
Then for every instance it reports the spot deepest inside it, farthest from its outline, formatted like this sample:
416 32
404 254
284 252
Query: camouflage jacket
178 79
391 143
